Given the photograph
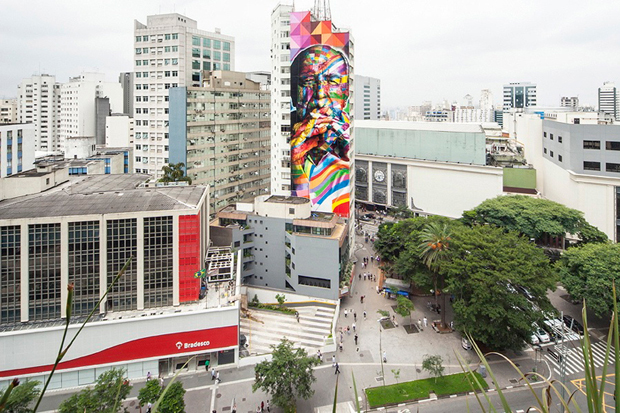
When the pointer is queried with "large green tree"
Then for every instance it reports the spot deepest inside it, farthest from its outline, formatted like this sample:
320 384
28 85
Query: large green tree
533 217
174 172
106 397
485 268
404 307
588 273
21 397
435 241
287 376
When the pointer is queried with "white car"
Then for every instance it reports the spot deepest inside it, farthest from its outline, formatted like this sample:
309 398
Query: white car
465 344
534 339
542 335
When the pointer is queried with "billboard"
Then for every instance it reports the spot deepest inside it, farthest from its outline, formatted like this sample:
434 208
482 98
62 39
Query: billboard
320 124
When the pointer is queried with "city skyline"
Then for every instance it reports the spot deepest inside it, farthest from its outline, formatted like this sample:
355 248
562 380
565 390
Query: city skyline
419 53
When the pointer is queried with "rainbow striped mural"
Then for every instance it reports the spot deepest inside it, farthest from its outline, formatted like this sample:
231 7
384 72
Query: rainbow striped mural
320 124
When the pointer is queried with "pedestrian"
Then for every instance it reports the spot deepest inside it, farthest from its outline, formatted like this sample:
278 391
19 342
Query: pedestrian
384 356
420 325
149 407
354 316
345 313
212 373
361 299
353 325
297 315
348 331
355 338
340 349
262 406
258 409
161 381
337 369
451 325
425 322
334 360
360 274
364 314
217 377
364 276
269 406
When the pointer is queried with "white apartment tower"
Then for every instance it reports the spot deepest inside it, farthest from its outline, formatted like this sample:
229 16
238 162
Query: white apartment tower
367 98
169 51
81 105
280 100
608 100
569 102
38 102
8 111
486 100
519 95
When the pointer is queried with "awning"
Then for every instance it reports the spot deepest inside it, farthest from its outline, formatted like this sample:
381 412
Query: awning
405 293
387 290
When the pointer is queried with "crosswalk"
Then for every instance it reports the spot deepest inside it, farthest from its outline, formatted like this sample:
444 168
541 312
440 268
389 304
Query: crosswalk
574 358
266 328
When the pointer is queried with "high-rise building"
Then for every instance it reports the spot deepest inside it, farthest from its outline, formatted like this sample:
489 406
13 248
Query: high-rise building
38 101
126 81
281 100
85 102
367 98
519 95
8 111
220 131
569 102
16 148
170 51
608 100
486 100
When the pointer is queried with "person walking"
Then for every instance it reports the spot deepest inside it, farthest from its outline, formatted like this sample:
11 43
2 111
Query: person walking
420 325
355 338
384 356
217 378
345 313
269 406
334 360
353 325
364 314
425 321
262 406
337 369
212 373
354 316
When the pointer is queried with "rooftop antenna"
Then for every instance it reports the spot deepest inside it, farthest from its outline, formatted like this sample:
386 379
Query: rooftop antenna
322 10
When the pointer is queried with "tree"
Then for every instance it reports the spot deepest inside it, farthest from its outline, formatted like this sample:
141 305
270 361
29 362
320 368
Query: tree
107 396
588 273
174 172
434 243
485 270
404 306
533 217
149 393
434 365
21 397
287 377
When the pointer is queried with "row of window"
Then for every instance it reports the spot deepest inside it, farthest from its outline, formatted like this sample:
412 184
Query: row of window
596 166
609 145
166 49
206 54
217 44
167 36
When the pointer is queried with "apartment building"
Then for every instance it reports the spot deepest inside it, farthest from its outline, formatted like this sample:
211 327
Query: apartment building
38 101
8 111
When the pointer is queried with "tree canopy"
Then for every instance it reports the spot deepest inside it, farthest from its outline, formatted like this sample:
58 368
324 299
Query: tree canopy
533 217
287 377
404 306
21 397
434 365
172 402
110 390
588 272
485 269
174 172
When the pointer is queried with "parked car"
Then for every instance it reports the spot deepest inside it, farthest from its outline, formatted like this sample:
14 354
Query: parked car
573 324
526 293
542 335
465 343
534 339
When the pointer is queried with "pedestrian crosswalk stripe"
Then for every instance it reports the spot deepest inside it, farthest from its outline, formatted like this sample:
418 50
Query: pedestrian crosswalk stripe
574 358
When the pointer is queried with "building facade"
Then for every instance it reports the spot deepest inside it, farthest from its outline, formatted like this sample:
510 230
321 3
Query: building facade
220 132
155 316
519 95
280 239
126 80
170 51
367 98
569 102
17 145
119 130
38 101
608 100
85 102
8 111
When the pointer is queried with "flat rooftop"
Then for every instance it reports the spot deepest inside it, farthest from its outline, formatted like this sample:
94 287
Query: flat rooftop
102 194
279 199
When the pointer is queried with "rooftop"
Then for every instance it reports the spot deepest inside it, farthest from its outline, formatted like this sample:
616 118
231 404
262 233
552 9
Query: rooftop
421 126
102 194
279 199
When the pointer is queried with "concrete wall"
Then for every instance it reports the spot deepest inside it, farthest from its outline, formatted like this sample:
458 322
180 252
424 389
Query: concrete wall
178 122
119 131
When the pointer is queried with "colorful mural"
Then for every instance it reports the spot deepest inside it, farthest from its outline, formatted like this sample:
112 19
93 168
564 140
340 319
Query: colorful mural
320 124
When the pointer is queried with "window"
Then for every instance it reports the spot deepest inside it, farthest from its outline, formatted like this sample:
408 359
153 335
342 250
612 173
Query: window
167 36
217 44
138 38
559 139
175 36
206 54
612 146
206 42
551 153
175 48
167 73
138 50
551 136
166 85
138 86
545 134
138 62
196 64
217 55
166 62
195 52
138 74
145 38
227 46
227 57
544 150
175 61
195 41
591 144
226 66
167 49
560 158
206 65
612 167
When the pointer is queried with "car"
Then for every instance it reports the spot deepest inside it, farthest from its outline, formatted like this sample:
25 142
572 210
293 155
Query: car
534 339
526 293
465 344
573 324
542 335
549 330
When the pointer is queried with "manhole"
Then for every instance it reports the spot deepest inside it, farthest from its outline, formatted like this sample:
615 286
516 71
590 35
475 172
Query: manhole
361 354
217 396
225 408
380 378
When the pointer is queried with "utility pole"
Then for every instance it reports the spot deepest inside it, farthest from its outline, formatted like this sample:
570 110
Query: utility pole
561 348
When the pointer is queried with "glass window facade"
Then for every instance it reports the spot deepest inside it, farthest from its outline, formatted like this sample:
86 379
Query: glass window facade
206 42
122 244
10 283
217 44
83 245
44 272
158 245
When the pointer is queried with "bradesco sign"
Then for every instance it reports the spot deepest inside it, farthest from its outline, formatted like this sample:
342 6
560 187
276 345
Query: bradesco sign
204 339
196 344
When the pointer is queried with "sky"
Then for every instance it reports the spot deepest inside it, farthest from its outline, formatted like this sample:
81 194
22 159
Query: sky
421 50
